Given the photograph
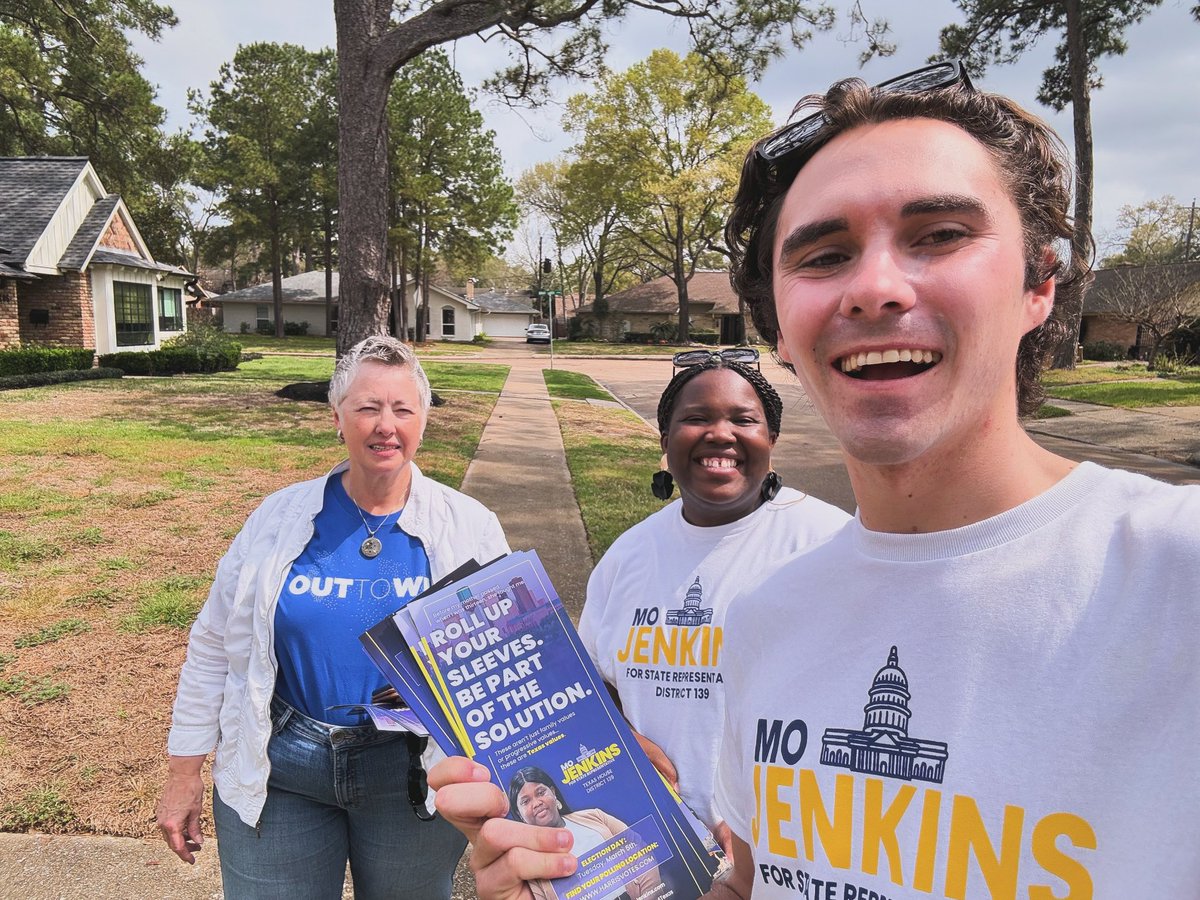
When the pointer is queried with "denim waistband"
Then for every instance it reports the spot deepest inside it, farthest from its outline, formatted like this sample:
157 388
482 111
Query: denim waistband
284 714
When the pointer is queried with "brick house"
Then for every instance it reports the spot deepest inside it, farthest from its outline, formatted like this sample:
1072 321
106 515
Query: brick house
712 306
1098 322
74 272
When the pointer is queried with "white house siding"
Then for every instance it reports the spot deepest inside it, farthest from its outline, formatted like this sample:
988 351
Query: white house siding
233 314
102 305
78 202
498 324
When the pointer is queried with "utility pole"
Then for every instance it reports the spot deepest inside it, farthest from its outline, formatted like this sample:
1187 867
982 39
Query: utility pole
1187 250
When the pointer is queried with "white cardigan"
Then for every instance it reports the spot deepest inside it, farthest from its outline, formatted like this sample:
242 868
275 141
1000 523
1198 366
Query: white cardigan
228 679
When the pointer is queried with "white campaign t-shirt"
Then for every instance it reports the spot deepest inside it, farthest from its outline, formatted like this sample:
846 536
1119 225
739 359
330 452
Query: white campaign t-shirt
654 617
1008 709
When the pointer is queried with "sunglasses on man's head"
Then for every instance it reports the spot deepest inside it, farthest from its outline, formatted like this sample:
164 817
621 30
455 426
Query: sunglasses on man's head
796 137
688 358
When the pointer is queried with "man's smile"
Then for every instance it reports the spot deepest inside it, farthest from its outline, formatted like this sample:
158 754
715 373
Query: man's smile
878 365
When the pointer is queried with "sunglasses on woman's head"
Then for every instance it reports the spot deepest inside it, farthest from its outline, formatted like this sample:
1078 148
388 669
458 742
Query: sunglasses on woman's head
688 358
796 137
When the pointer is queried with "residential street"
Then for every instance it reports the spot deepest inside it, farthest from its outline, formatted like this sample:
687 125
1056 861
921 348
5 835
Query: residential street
520 471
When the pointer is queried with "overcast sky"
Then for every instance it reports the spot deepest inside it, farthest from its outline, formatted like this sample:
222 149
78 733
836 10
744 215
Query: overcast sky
1146 118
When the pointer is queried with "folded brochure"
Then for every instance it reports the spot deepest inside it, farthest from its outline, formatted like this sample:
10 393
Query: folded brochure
494 669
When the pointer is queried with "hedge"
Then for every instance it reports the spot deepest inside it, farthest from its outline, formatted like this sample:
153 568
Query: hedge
40 379
704 337
173 360
26 360
1105 351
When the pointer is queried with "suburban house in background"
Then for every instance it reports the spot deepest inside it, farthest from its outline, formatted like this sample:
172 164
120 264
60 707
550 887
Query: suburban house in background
452 316
1103 298
712 307
74 271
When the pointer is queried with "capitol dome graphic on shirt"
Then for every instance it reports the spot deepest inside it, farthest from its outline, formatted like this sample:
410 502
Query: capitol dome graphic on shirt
883 746
691 614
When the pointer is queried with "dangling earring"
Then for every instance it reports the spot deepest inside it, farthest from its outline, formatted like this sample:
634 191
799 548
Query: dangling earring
770 486
662 485
558 803
341 437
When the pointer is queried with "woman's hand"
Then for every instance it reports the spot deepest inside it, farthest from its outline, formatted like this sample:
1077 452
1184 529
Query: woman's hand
180 806
504 854
659 759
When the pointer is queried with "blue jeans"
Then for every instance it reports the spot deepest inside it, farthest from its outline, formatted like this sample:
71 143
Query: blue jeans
335 794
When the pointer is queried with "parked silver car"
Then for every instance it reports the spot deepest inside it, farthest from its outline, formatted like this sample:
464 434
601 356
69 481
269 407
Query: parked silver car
537 334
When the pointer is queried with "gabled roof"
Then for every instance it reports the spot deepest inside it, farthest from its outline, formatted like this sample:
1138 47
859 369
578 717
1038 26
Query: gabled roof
108 256
307 287
1109 283
15 274
31 190
660 295
496 302
75 257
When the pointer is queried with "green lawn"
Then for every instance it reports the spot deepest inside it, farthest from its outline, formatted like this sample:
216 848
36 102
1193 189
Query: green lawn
611 454
117 498
446 376
599 348
258 343
1181 390
573 386
1087 374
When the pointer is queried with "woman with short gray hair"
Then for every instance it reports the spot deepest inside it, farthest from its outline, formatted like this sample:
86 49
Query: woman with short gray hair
301 785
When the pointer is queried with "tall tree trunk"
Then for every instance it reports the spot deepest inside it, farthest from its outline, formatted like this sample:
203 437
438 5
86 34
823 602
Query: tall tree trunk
681 282
425 303
1078 64
276 270
363 84
404 292
327 216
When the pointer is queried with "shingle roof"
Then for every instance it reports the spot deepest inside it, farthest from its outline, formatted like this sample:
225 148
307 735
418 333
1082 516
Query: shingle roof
307 287
15 274
494 301
108 256
660 295
89 233
1109 282
31 189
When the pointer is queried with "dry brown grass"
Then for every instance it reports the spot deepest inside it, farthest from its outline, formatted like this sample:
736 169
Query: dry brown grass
110 495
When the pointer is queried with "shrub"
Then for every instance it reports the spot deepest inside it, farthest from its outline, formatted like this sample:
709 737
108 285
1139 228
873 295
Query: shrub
704 337
640 337
295 329
244 328
481 338
26 360
1104 351
664 331
175 360
41 379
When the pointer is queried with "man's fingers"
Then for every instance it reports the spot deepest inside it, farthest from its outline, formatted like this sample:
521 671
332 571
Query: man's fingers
514 851
457 770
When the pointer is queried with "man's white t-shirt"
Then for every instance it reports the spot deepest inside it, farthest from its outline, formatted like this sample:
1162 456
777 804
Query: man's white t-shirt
1009 709
654 617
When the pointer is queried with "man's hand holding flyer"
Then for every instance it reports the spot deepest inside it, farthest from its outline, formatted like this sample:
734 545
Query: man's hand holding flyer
494 669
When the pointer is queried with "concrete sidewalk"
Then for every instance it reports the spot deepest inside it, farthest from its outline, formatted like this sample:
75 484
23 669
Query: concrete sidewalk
520 472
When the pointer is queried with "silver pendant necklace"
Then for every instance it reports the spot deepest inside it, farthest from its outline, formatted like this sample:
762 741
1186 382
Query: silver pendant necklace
371 546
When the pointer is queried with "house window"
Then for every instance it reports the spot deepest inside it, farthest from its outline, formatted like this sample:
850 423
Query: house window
170 309
447 321
262 317
133 311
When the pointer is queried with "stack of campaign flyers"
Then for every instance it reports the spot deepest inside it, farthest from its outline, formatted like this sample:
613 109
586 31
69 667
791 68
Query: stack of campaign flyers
491 665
